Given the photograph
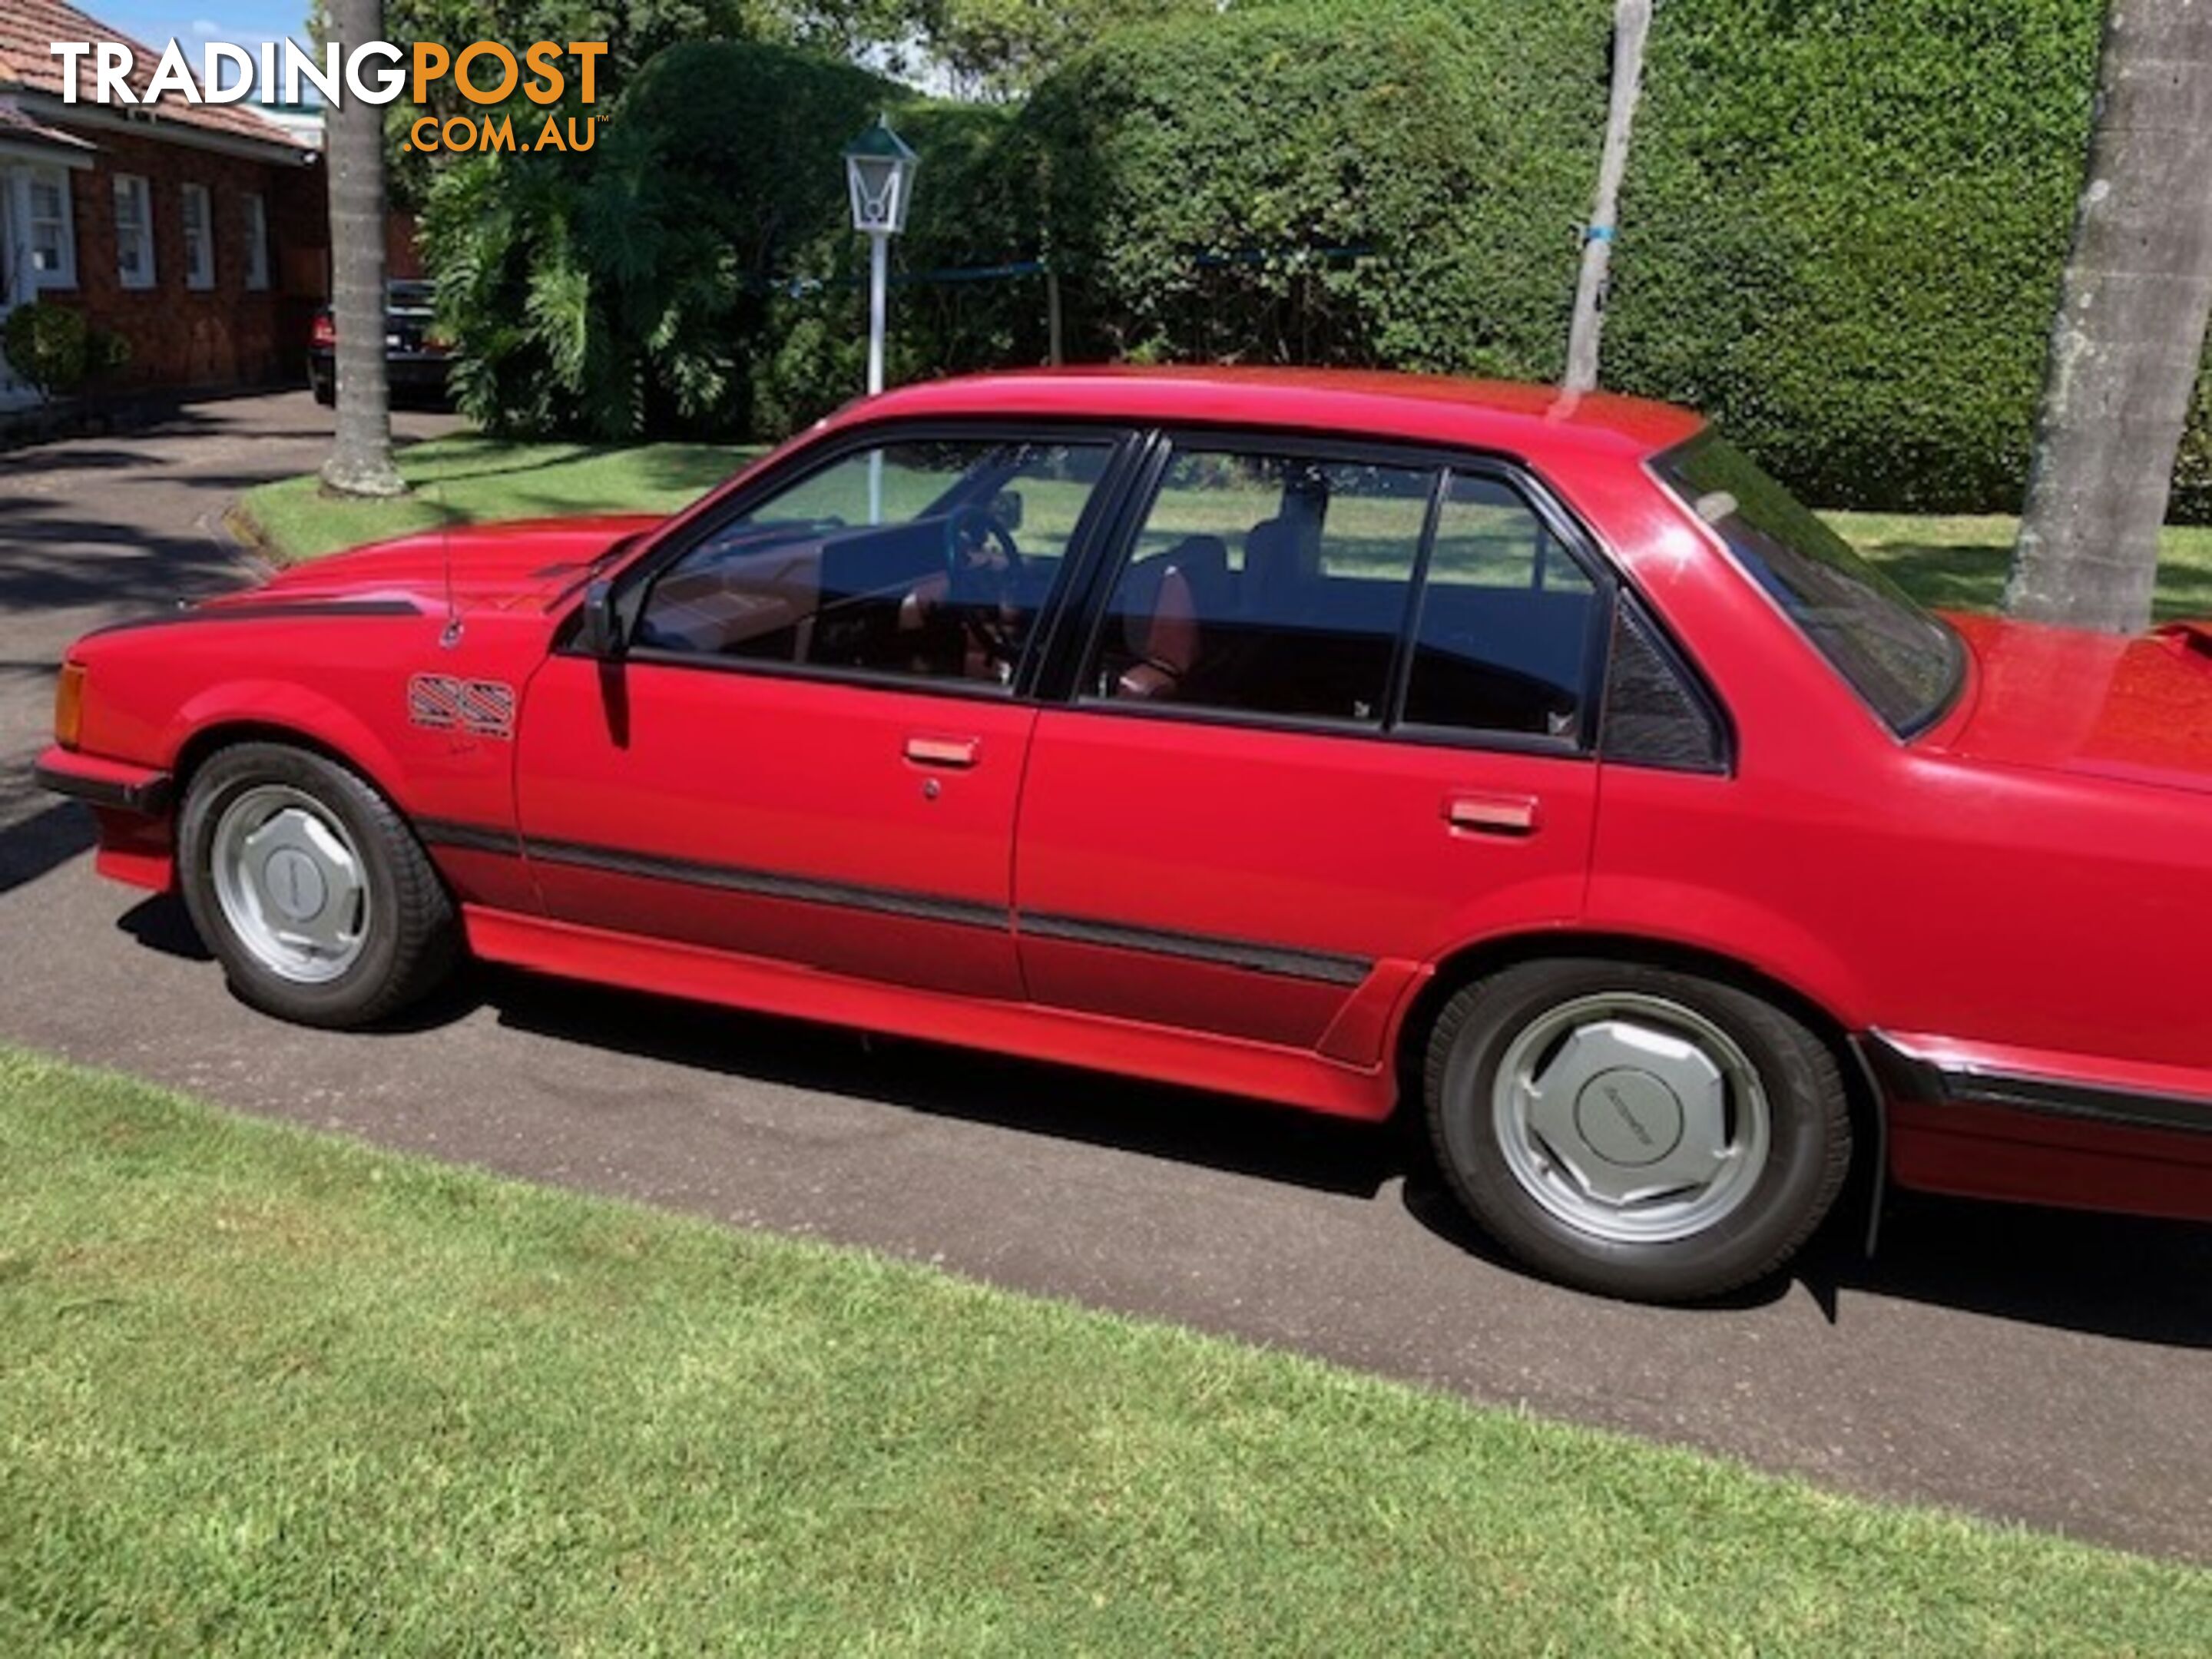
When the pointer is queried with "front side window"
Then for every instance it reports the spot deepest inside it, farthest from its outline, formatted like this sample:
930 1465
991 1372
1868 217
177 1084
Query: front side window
134 232
928 559
1265 584
199 237
1904 663
52 233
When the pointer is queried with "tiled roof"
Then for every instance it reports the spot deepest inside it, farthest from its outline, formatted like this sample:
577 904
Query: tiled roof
28 28
14 124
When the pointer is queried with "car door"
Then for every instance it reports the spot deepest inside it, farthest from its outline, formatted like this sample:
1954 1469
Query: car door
1332 716
811 748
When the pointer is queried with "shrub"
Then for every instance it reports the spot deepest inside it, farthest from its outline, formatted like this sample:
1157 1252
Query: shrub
696 271
1843 231
48 345
1327 183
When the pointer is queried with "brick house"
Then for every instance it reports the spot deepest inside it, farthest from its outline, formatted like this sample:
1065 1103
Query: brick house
198 233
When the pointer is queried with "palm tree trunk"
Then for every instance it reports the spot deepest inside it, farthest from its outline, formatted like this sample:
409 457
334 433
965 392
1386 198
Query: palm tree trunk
353 151
2128 335
1632 21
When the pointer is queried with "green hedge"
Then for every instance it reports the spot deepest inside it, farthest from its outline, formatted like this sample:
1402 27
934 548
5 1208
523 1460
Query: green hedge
1841 235
1325 183
1843 232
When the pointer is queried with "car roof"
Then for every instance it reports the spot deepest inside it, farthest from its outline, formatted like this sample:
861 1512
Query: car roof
1498 415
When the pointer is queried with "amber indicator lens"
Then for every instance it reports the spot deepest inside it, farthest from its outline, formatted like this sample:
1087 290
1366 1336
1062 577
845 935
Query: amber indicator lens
69 705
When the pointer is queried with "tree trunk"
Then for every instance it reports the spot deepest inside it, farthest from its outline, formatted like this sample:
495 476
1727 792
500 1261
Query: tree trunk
2129 334
353 151
1632 21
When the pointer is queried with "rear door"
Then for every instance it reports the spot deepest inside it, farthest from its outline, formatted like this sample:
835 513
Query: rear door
1331 714
813 749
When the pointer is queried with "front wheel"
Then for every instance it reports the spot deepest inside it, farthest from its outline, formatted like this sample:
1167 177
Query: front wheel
310 888
1636 1130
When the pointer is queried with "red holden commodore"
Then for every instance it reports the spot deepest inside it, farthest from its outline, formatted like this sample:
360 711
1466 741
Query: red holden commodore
1330 738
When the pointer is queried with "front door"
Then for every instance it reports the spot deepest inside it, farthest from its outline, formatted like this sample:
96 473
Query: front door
813 750
1333 719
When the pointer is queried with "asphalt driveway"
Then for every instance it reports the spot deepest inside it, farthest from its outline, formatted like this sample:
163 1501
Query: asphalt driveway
2021 1364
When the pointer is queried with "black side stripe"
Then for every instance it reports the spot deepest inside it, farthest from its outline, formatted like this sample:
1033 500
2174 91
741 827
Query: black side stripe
1282 960
1917 1077
265 611
1286 962
468 837
767 884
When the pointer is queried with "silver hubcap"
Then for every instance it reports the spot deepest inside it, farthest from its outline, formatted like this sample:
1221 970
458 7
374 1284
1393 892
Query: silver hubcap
291 884
1630 1117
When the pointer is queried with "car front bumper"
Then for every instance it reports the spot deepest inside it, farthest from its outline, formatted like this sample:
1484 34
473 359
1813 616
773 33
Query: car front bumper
130 805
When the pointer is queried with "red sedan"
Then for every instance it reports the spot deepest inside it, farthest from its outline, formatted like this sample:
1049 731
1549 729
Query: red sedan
1337 739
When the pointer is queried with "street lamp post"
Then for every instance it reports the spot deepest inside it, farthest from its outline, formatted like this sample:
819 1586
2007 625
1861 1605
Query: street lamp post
879 172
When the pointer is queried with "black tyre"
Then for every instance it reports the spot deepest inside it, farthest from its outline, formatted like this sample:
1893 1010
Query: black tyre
310 888
1635 1130
325 388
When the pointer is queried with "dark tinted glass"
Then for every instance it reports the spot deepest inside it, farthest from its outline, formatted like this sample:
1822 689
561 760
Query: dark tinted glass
1652 716
1505 639
925 559
1902 660
1267 585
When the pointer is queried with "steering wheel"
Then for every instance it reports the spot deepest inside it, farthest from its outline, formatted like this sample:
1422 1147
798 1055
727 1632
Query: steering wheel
983 590
967 531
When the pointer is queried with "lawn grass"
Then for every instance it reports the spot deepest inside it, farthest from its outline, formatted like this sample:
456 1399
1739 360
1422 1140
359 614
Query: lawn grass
1959 562
470 479
1950 562
265 1392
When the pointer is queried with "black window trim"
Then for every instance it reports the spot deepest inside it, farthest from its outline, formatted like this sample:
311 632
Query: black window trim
634 583
1112 519
1071 646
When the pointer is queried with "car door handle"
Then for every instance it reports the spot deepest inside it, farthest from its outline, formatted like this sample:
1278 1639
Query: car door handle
1492 815
942 752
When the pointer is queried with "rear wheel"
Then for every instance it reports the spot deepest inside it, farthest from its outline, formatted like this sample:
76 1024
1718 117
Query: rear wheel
1636 1130
310 888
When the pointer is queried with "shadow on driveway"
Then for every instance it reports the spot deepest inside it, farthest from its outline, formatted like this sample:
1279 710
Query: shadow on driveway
2117 1276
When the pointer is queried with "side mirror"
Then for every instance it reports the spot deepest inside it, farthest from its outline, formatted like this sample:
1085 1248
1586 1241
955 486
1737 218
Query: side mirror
1006 509
600 636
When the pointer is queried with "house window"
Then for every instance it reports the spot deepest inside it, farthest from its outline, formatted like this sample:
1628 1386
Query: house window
134 232
52 232
256 241
200 238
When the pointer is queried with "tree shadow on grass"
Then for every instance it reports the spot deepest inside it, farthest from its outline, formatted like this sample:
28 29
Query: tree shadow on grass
1955 576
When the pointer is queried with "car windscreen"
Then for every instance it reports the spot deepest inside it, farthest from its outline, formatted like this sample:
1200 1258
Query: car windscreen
1903 662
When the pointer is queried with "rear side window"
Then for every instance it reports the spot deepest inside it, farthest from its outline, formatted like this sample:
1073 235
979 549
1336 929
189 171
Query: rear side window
1353 592
1504 641
1267 585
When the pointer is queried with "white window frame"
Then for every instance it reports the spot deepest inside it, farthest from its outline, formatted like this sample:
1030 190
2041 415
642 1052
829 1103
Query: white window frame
256 240
199 239
64 273
133 186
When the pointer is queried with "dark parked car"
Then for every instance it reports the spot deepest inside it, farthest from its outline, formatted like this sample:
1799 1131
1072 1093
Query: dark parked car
414 358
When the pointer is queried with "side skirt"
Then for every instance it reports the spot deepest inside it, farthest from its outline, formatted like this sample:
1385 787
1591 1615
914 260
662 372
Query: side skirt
1263 1071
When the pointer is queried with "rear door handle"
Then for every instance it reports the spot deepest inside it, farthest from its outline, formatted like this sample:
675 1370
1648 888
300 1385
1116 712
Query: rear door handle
957 752
1493 814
